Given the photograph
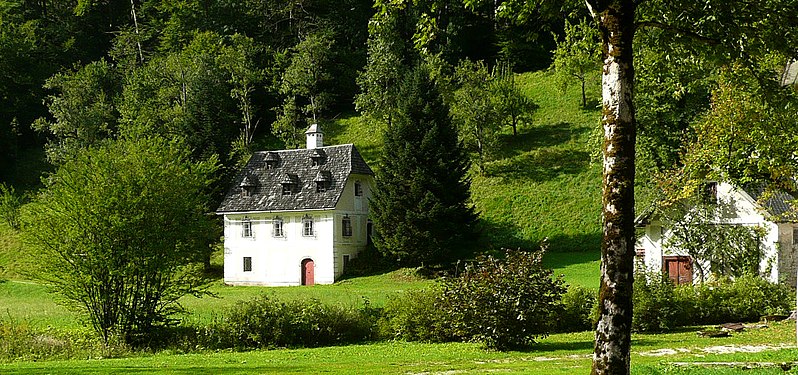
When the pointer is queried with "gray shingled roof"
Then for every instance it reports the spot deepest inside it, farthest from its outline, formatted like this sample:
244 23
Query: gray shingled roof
777 203
337 163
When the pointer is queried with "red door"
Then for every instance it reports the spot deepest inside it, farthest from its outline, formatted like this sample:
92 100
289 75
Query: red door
679 269
307 272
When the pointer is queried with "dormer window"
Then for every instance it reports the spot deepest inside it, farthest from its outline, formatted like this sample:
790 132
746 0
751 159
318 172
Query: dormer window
288 183
248 186
271 160
323 181
317 157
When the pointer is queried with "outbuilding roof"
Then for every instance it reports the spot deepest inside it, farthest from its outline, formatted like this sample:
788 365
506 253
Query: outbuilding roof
298 168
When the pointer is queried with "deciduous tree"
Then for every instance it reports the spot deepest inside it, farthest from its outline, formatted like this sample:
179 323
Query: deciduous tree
118 229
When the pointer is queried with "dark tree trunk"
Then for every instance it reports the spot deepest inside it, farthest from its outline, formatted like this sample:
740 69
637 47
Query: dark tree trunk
613 333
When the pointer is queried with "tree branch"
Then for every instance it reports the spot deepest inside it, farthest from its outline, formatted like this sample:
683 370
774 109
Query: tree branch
688 33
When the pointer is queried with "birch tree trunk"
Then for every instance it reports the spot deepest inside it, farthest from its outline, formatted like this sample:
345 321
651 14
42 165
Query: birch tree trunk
613 333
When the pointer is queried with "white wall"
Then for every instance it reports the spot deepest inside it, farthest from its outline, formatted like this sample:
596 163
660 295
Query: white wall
740 209
277 261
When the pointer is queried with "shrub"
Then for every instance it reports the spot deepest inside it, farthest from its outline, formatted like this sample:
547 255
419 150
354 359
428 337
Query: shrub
503 303
413 316
578 306
266 322
20 342
744 299
655 305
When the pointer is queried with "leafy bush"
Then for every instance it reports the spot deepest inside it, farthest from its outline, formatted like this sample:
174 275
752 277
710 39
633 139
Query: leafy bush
578 307
266 322
20 342
413 316
655 305
503 303
744 299
661 306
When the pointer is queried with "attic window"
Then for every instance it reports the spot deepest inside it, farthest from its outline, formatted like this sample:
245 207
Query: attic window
271 160
317 157
323 181
288 183
709 192
248 186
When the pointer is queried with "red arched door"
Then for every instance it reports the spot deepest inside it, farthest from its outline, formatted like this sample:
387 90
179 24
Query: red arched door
307 271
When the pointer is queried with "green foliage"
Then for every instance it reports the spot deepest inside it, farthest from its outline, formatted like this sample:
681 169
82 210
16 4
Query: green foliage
504 303
656 308
265 322
10 203
579 310
748 136
513 106
474 110
743 299
84 109
21 342
191 95
119 230
578 56
420 208
389 57
414 316
305 86
661 306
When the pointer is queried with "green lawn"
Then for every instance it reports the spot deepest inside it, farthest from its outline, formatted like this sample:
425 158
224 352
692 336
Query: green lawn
558 354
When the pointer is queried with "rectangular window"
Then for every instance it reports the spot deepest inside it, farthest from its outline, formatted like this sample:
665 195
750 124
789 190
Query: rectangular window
321 187
246 228
287 189
346 226
346 262
307 226
278 227
247 264
358 189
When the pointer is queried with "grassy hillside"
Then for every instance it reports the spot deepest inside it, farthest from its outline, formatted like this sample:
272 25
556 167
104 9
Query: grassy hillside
541 183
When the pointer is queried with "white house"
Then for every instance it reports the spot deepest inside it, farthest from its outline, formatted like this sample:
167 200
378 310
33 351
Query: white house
296 217
741 206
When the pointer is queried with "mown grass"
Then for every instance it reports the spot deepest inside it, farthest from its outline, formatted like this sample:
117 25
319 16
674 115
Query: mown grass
557 354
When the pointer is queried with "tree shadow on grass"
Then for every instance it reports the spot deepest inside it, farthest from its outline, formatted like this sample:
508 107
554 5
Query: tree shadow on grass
539 136
540 165
547 346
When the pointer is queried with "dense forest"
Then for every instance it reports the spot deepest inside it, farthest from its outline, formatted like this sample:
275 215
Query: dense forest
221 74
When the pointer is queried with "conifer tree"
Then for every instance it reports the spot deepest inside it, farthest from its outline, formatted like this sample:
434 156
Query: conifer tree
421 208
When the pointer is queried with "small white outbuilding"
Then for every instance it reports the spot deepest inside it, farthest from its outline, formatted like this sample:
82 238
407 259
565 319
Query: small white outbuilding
741 206
296 217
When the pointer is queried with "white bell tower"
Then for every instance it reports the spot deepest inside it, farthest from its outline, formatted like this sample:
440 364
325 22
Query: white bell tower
315 137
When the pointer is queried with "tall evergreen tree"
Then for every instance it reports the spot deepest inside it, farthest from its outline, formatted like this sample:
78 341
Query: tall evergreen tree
421 205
